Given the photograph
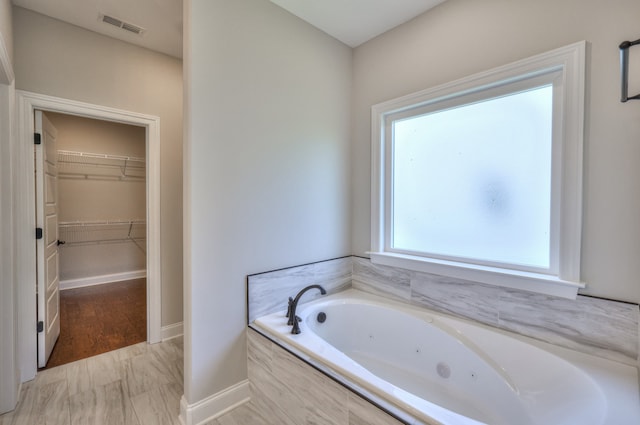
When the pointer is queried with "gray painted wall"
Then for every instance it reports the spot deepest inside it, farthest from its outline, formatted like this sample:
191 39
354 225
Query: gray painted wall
6 26
9 380
98 199
461 37
58 59
266 168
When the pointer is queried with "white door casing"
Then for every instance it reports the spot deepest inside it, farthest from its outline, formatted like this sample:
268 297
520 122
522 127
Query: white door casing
48 282
26 104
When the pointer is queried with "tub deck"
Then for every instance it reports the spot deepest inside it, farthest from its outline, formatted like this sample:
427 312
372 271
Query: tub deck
616 398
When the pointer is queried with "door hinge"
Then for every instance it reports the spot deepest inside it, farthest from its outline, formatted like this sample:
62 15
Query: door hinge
40 326
38 232
37 138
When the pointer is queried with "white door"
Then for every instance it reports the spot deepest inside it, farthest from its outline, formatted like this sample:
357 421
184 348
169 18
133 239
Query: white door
47 247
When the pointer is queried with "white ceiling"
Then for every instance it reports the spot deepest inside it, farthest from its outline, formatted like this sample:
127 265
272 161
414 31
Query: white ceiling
355 21
351 21
162 19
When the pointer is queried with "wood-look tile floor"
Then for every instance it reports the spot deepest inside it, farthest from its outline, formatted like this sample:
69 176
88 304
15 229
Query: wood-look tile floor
100 318
137 385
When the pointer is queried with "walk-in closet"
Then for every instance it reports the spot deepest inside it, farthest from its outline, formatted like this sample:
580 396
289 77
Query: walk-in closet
101 198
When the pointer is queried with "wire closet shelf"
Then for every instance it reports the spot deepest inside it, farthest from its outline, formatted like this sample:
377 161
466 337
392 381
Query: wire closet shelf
104 231
86 165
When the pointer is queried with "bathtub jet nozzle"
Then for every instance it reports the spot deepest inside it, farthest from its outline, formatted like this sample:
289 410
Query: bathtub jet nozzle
293 305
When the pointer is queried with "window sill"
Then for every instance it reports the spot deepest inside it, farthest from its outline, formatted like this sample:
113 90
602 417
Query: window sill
525 281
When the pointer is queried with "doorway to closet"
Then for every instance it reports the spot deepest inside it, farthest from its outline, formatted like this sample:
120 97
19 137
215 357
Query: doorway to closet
27 315
101 208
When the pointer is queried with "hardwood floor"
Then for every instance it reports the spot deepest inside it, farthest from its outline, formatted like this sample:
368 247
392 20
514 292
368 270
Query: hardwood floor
101 318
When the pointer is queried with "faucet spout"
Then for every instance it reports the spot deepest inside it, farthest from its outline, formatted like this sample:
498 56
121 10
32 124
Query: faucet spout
293 305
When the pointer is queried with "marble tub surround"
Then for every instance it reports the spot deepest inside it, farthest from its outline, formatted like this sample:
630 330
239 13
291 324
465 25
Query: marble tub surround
605 328
381 280
595 326
288 391
600 327
268 292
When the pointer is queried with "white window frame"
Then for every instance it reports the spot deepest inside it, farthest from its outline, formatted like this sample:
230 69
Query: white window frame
566 66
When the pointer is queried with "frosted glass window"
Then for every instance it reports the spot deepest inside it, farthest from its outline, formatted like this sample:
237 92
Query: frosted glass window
480 179
474 181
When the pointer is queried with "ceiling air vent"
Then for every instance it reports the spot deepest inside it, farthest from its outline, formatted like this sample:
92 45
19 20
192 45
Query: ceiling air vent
121 24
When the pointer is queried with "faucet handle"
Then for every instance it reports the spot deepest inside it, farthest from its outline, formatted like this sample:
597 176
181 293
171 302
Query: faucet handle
289 307
292 317
296 329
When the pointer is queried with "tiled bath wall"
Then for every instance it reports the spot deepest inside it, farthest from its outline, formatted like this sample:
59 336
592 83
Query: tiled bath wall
269 292
590 325
601 327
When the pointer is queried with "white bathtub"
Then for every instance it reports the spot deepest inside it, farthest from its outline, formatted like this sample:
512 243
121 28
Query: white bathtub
443 370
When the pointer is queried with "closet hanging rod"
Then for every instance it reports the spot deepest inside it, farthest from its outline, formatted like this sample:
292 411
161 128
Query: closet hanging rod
624 70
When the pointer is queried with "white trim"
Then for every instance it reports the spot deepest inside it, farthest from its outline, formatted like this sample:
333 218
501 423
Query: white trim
214 406
26 103
570 60
172 331
6 69
102 279
187 291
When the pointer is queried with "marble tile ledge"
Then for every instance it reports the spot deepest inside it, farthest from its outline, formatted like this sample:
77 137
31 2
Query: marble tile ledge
604 328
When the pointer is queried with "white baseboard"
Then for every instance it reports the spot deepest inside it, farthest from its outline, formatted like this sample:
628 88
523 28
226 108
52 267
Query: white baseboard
99 280
214 406
172 331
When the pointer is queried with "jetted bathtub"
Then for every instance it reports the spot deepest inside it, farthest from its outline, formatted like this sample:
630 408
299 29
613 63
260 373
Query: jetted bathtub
444 370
